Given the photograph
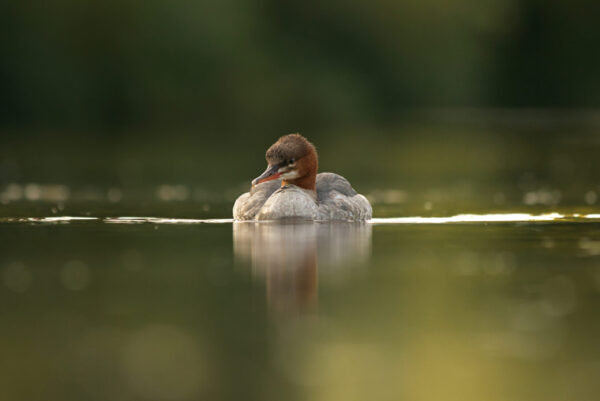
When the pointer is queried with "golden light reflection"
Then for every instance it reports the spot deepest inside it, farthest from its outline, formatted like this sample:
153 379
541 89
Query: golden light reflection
163 362
460 218
471 218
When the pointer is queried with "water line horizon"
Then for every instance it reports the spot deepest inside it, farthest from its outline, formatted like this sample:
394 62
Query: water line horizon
455 219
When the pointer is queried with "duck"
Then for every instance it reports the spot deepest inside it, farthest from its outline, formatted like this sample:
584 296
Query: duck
290 188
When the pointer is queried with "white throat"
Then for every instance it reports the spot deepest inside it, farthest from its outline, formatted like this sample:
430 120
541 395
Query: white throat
290 175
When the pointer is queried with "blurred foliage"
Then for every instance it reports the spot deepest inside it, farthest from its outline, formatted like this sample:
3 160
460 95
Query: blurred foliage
245 66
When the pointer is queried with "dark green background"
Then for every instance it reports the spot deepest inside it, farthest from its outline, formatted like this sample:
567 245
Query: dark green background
241 66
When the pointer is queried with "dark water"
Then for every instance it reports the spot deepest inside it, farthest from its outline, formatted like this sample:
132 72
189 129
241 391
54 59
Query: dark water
499 304
96 310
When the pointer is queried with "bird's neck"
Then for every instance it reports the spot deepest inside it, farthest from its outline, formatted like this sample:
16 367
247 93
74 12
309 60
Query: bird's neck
308 180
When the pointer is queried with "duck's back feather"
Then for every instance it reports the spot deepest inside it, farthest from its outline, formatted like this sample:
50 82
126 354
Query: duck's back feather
248 205
339 201
327 182
335 200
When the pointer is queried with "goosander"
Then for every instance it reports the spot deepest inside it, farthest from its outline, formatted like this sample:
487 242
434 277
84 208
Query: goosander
290 188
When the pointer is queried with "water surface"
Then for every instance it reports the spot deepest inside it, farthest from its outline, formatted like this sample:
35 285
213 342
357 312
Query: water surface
471 308
122 276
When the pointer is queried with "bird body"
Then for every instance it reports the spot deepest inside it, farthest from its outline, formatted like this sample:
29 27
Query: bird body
290 188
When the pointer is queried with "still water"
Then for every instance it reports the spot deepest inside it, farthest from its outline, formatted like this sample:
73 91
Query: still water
474 307
478 278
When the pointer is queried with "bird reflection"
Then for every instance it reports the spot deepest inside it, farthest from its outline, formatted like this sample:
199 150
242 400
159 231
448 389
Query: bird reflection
288 257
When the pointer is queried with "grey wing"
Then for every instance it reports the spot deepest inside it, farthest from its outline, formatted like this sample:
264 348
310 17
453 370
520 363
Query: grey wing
247 206
339 201
327 182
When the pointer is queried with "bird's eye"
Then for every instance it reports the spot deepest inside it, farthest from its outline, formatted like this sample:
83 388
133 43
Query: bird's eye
291 161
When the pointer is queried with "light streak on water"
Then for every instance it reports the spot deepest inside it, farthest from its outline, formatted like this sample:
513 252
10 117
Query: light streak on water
457 219
471 218
163 220
56 219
